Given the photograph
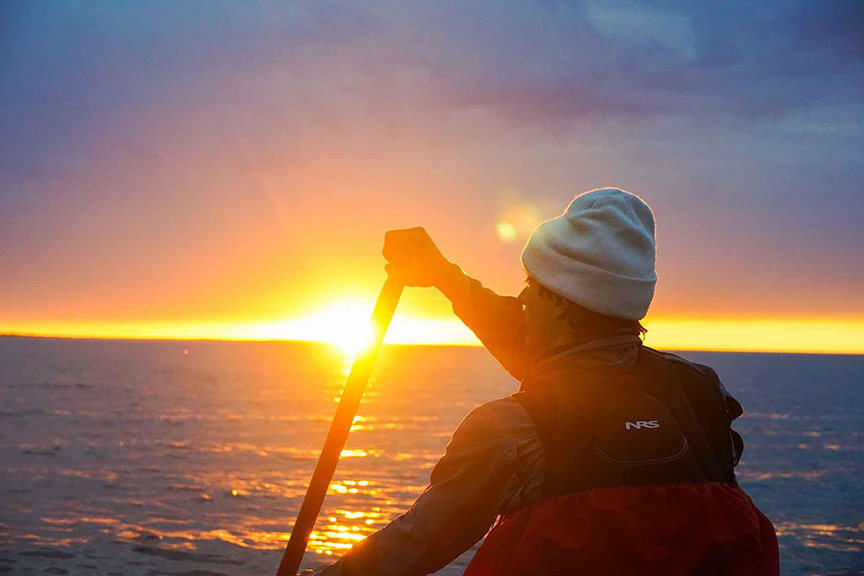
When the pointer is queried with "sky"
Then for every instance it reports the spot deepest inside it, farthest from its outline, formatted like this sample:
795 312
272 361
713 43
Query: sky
228 169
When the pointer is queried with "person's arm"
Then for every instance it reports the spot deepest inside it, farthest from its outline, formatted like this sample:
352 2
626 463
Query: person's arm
498 321
493 462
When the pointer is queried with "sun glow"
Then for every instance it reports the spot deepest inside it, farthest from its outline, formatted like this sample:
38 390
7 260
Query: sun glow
346 324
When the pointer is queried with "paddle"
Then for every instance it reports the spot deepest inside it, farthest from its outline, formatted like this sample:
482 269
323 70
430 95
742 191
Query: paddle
339 428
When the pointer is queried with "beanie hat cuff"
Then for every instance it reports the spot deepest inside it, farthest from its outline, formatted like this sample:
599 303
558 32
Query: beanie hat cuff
592 288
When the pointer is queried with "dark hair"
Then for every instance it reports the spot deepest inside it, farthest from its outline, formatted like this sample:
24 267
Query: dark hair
589 324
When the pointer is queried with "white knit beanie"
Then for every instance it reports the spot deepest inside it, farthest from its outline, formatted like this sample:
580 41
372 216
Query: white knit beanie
599 253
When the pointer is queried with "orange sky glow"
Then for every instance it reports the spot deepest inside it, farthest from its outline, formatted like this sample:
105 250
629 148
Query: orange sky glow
242 290
346 326
226 292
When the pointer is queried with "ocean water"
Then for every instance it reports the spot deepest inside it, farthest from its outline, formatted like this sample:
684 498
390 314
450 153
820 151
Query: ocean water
151 458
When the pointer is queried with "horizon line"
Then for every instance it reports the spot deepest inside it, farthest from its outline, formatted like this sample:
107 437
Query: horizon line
429 344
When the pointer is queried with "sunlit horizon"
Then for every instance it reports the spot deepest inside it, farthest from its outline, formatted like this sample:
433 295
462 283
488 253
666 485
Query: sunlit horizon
346 325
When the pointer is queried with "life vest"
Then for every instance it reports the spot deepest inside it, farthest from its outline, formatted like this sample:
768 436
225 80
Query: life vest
639 479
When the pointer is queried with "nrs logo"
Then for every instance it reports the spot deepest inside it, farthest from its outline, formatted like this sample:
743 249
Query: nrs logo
642 424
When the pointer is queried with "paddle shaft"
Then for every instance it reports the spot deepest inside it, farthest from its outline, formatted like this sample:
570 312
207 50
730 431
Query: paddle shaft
339 428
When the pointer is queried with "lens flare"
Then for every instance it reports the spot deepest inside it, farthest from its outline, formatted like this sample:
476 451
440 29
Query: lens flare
506 231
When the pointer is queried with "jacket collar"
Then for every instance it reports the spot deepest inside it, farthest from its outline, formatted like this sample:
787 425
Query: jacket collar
618 352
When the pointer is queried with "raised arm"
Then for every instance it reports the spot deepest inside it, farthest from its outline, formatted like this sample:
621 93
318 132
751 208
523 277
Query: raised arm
498 321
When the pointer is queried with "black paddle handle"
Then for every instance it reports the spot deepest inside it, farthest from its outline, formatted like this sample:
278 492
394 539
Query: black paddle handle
339 428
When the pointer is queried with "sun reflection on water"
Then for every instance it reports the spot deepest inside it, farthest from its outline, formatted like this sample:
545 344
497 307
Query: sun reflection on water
345 528
834 537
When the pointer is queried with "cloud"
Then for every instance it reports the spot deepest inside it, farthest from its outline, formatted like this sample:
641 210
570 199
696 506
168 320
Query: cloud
76 68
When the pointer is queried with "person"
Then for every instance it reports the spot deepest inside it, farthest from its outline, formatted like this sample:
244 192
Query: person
612 458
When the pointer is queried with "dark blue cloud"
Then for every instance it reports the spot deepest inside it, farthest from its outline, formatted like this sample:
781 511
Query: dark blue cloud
73 67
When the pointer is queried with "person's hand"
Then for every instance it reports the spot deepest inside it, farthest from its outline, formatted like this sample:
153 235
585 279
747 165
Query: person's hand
307 572
413 258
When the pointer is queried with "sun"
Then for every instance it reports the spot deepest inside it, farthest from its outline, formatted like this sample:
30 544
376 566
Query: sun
350 326
346 324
